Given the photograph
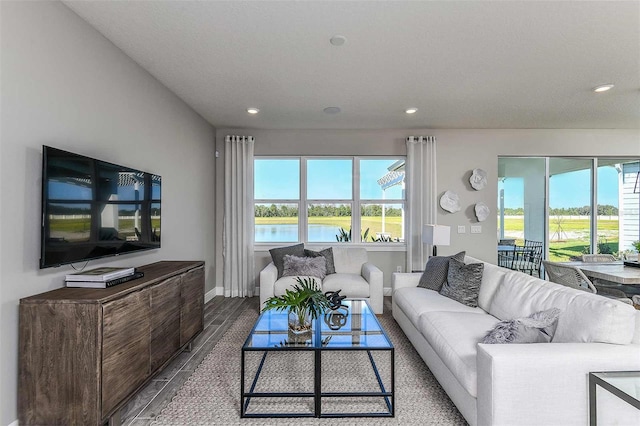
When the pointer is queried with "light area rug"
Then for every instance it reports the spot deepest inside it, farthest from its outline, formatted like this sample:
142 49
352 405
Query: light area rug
211 396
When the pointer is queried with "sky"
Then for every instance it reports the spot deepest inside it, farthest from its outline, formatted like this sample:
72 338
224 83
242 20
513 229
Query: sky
568 189
331 179
328 179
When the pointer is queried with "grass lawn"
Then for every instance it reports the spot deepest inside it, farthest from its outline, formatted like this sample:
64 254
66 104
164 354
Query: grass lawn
575 236
568 225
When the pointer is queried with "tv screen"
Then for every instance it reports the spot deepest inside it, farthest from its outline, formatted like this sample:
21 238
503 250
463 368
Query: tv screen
93 209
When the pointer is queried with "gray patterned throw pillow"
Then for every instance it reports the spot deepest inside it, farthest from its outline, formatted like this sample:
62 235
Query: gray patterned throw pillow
304 266
436 270
463 282
536 328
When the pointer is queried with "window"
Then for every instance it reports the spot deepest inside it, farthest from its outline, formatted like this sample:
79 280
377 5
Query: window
551 199
277 194
312 199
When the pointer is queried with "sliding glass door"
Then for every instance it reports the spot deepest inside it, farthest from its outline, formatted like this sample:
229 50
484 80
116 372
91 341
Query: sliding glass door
574 205
570 189
521 199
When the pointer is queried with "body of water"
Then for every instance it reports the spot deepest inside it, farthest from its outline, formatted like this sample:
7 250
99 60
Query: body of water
289 233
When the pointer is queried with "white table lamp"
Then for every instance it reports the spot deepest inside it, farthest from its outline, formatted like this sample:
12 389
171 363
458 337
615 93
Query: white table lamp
436 235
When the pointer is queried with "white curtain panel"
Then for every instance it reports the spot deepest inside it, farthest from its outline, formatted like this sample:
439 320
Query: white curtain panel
237 238
421 196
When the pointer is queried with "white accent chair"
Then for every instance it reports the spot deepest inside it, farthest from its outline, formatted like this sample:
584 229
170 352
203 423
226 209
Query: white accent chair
355 276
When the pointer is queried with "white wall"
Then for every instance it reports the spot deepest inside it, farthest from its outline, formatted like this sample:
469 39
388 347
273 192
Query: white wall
65 85
458 153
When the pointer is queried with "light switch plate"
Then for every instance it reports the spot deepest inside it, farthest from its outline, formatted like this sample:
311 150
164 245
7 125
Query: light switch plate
476 229
462 229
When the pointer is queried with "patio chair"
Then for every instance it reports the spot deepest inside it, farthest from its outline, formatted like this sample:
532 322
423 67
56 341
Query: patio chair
528 258
598 258
572 276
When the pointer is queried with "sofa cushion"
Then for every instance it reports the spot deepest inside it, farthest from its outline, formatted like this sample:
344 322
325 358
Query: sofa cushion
520 295
463 282
277 255
287 283
349 260
414 301
328 256
435 271
585 317
492 277
304 266
593 318
352 285
454 336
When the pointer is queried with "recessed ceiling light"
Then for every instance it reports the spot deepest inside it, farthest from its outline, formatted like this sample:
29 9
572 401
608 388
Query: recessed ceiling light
338 40
411 110
253 110
332 110
603 88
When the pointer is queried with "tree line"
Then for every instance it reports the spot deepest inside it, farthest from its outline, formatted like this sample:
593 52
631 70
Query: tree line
603 210
324 210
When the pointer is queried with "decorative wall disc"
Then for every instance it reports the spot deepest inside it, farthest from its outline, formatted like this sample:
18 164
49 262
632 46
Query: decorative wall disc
450 202
482 211
478 179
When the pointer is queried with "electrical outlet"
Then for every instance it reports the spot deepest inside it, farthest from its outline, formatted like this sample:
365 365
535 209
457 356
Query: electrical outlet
398 268
476 229
462 229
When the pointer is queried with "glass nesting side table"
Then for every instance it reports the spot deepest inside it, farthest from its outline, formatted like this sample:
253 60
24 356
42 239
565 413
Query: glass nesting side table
343 367
623 384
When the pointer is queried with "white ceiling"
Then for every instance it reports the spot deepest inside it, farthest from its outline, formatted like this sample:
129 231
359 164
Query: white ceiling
472 64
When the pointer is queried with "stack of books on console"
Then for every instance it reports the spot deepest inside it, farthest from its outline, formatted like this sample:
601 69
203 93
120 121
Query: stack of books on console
102 277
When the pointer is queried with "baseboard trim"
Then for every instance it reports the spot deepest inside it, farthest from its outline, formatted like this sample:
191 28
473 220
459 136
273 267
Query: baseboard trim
210 294
387 291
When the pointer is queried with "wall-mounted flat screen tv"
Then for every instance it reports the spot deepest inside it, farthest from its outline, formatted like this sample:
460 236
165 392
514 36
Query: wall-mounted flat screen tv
93 209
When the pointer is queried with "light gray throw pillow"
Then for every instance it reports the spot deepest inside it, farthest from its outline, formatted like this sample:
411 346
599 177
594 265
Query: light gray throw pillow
304 266
463 282
436 270
539 327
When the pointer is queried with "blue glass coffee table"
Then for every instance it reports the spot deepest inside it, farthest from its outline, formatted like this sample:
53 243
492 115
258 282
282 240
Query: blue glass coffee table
346 340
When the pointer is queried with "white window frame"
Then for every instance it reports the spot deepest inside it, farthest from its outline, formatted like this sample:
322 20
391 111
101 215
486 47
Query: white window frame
355 203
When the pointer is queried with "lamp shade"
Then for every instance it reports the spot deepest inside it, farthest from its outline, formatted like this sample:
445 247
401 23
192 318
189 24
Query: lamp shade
436 235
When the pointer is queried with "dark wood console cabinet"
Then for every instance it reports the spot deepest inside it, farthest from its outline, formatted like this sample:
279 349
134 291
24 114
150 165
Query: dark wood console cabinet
83 353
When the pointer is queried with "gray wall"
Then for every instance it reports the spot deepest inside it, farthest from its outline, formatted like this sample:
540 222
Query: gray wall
64 85
458 153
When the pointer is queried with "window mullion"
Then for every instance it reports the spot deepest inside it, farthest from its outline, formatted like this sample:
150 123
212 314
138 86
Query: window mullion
355 205
303 204
594 206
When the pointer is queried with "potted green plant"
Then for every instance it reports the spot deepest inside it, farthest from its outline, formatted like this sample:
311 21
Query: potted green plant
305 301
636 245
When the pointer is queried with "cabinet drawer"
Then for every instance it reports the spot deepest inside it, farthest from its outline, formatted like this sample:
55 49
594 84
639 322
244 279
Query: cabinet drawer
165 321
191 312
125 347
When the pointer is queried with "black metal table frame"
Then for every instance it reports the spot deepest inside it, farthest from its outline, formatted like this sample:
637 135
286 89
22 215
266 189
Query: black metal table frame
595 380
317 394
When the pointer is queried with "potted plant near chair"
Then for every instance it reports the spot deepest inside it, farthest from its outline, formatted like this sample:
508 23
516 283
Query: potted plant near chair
304 303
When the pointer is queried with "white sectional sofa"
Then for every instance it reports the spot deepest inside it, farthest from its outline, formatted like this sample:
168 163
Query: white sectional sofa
355 276
521 384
